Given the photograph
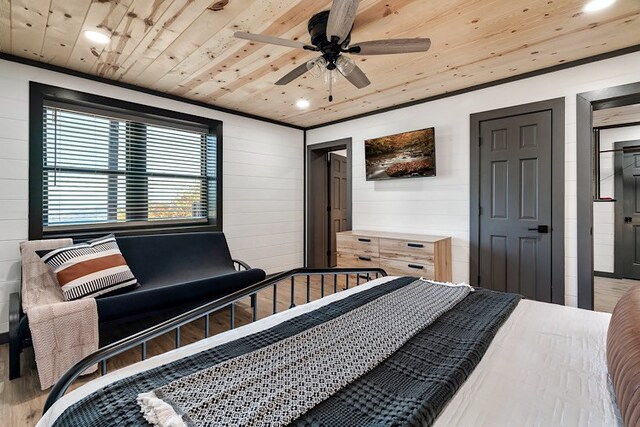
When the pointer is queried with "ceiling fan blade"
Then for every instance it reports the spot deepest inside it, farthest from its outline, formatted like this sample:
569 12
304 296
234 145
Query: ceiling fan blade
341 17
391 46
357 77
269 40
293 74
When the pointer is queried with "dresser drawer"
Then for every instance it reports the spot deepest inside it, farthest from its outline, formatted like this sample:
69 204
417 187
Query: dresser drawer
357 245
408 268
350 260
408 250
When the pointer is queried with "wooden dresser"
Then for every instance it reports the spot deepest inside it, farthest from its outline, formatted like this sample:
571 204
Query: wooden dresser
398 254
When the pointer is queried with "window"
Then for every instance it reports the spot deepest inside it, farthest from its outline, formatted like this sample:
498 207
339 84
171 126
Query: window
109 169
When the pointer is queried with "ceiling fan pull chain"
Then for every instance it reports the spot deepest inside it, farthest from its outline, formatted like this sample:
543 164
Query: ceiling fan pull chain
330 85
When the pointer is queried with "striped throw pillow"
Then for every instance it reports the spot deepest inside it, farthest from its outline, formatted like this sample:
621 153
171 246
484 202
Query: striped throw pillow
89 269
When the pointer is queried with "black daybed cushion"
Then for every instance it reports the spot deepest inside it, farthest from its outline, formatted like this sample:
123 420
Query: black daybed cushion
160 296
169 259
174 270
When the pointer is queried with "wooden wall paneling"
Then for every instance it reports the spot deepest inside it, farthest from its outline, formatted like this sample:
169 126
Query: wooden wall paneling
215 49
448 76
392 96
140 18
262 79
372 12
453 67
211 39
5 25
28 25
200 34
249 71
258 72
172 25
186 47
298 13
101 16
63 28
393 68
397 80
617 116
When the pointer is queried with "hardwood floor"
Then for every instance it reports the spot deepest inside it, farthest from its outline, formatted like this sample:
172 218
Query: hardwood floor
21 400
607 292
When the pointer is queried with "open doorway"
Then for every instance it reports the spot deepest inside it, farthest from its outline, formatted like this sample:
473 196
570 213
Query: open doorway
590 197
328 200
616 206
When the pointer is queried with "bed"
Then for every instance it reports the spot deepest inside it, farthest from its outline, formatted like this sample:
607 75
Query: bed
545 365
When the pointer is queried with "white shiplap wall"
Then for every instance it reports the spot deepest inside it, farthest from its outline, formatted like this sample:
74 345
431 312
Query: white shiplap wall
440 205
604 213
262 176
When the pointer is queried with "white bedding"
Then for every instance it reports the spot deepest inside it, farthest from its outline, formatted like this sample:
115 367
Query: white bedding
545 367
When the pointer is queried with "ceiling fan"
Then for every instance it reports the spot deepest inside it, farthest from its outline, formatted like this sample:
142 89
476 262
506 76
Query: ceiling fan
330 33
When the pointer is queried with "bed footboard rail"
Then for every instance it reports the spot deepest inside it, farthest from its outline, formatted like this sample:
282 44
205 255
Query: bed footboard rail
140 339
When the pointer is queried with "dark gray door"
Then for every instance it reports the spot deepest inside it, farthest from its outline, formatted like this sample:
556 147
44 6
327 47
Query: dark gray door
515 205
337 202
631 214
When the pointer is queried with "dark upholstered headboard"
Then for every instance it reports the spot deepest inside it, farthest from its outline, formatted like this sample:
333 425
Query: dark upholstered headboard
623 355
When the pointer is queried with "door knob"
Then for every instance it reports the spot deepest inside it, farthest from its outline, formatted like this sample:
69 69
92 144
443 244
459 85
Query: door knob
628 219
540 229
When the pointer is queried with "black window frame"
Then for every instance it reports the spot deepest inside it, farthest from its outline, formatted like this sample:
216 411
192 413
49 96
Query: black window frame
39 94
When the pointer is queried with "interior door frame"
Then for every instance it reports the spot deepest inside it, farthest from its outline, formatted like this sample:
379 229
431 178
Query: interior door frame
618 169
332 242
312 219
557 108
586 103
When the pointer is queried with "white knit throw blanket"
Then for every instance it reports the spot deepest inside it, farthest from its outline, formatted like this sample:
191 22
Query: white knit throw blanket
276 384
63 332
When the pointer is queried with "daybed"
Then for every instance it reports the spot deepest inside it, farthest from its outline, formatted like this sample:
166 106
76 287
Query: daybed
537 364
176 272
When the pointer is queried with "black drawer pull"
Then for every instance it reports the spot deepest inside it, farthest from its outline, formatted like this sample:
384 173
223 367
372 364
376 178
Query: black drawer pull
419 267
362 239
364 258
415 245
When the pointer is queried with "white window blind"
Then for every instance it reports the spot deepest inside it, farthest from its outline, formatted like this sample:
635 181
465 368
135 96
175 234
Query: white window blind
110 171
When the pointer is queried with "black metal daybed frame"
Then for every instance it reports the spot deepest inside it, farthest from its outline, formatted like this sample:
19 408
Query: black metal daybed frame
174 324
19 335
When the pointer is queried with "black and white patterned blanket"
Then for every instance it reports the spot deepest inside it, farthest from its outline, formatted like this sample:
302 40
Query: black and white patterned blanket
276 384
411 387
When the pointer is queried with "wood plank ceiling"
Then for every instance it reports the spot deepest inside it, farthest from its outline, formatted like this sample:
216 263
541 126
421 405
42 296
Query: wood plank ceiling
187 48
617 116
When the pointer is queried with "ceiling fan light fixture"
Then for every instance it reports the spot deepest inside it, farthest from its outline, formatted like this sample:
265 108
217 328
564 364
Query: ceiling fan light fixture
97 37
302 104
316 66
330 76
596 5
345 65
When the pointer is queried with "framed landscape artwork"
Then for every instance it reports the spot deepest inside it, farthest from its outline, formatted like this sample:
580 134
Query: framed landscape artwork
403 155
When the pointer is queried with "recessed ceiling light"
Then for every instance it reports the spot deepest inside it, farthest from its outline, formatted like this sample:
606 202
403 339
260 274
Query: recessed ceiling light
596 5
97 37
302 103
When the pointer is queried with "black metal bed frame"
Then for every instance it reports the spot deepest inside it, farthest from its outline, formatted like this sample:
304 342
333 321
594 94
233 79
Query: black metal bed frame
140 339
